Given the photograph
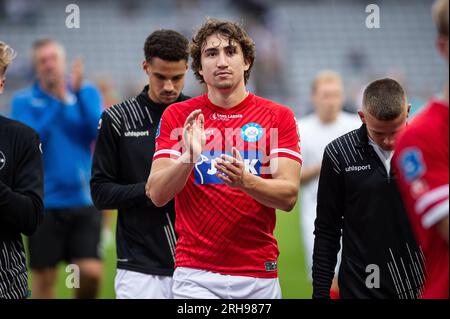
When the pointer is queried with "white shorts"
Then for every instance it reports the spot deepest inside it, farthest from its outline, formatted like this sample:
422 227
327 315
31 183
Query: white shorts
189 283
134 285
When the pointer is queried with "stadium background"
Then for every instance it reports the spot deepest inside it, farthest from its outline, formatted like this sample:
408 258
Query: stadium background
294 40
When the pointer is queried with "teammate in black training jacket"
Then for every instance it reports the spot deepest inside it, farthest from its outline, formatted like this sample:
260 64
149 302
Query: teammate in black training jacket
122 161
21 192
358 199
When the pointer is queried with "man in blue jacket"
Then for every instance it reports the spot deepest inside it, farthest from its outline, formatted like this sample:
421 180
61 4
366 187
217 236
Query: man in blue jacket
65 113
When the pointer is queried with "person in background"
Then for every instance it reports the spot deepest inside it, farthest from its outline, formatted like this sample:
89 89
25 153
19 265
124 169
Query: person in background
65 113
21 193
317 130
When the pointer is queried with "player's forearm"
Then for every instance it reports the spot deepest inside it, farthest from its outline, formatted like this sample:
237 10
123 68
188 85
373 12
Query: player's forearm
22 212
109 195
275 193
166 182
326 248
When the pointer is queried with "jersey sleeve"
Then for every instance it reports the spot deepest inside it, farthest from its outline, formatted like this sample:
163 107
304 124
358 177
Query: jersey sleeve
423 179
168 136
21 204
107 191
287 143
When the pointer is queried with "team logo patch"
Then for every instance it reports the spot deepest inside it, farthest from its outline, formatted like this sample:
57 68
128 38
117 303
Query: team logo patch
251 132
224 117
271 265
2 160
205 170
411 164
158 130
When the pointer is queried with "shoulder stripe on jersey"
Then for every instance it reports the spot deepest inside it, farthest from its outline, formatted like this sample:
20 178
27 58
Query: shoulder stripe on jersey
124 117
352 137
286 150
149 116
114 110
110 113
129 111
166 151
333 157
344 153
435 214
139 108
336 167
135 112
132 112
352 143
138 111
116 129
431 197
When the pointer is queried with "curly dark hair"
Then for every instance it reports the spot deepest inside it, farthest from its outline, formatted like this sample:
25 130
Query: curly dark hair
167 45
230 30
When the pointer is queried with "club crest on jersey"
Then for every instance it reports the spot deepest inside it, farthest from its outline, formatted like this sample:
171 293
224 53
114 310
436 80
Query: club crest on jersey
251 132
411 164
205 170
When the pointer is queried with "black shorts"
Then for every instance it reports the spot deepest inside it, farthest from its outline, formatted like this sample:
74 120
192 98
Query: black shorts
66 235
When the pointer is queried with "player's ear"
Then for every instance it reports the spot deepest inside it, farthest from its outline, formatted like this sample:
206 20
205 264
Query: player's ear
442 45
362 117
246 65
144 65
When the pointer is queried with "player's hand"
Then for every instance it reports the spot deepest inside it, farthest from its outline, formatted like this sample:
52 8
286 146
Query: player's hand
231 169
77 74
194 137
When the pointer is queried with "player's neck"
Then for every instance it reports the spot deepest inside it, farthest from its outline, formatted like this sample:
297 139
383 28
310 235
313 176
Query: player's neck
327 119
227 98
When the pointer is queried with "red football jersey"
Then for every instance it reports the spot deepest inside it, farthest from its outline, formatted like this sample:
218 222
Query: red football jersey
220 228
421 160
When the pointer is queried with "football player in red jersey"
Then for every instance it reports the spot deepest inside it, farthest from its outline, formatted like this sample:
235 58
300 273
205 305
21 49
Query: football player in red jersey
230 159
421 160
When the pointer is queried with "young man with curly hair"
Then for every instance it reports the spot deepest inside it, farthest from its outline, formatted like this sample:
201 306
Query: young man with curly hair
230 159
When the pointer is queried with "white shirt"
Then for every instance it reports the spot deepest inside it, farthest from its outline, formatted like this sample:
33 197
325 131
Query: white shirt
385 156
315 136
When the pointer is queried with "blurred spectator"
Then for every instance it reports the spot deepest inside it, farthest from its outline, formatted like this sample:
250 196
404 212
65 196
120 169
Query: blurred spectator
316 131
65 114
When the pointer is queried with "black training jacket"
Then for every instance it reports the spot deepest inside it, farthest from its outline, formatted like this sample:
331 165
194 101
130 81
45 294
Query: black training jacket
122 161
360 200
21 202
